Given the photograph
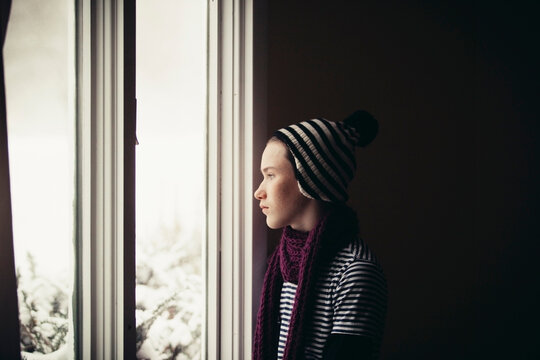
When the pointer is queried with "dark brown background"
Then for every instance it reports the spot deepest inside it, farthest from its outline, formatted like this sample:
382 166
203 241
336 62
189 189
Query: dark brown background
447 194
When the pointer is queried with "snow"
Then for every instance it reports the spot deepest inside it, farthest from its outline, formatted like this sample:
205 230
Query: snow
63 353
169 296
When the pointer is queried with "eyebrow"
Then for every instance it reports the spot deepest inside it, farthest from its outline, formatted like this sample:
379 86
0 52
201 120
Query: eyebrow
268 168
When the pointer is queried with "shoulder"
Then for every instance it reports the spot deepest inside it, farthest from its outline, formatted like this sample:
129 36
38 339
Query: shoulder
357 268
361 252
356 254
354 266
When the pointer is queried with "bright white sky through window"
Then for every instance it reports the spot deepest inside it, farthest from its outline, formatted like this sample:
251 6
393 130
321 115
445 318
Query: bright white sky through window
171 118
39 59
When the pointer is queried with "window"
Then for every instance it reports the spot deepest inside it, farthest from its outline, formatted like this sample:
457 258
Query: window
171 181
40 82
101 150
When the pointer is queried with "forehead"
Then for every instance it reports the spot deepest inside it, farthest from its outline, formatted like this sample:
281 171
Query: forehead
274 155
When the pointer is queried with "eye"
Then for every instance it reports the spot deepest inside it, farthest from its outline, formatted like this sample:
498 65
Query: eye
270 176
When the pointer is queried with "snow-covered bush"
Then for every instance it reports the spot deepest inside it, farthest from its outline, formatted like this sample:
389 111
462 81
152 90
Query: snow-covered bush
169 296
43 311
169 307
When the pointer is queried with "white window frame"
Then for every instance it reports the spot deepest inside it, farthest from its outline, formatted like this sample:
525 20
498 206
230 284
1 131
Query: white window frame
236 237
100 236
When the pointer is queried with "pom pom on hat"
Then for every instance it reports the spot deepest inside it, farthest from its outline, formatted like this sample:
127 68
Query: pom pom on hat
324 153
365 125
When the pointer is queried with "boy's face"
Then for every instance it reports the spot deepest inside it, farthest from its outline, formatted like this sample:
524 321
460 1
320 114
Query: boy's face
279 195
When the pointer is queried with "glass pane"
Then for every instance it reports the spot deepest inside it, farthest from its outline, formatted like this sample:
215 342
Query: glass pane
39 57
171 101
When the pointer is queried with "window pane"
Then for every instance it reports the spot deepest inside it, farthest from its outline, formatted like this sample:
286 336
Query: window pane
40 75
171 101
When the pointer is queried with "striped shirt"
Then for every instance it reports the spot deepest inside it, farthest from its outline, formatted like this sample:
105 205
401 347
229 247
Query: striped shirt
351 299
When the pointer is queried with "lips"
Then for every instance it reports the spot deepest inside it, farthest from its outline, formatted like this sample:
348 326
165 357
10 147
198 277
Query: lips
263 208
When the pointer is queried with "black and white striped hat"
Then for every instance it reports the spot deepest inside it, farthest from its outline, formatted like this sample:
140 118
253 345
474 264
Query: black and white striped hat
324 153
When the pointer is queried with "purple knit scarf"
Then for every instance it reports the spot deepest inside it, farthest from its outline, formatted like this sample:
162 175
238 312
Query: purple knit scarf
291 250
298 259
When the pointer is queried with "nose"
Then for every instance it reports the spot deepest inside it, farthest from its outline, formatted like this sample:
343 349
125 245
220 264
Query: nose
259 193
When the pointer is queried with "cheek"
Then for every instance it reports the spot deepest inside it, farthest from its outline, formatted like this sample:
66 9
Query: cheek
286 193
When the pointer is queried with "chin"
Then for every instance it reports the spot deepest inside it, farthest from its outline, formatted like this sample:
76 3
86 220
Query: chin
273 225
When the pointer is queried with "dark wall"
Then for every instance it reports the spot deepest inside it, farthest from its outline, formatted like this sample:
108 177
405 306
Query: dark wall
447 194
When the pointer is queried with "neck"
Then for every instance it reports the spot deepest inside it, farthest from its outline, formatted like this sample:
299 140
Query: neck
310 216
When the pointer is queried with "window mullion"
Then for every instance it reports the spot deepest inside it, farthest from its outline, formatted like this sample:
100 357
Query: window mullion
100 114
211 340
85 159
234 255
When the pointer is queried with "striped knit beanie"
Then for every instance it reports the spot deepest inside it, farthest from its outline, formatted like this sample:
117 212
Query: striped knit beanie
323 152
